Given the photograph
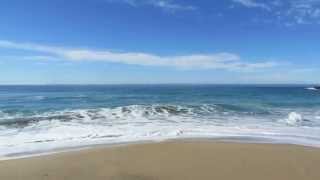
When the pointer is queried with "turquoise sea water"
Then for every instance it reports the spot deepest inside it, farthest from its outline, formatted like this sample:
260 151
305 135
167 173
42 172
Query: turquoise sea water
41 118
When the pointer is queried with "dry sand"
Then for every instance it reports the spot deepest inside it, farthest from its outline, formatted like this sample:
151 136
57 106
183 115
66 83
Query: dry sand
176 160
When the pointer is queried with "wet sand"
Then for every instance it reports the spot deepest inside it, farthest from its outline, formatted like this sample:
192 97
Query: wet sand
172 160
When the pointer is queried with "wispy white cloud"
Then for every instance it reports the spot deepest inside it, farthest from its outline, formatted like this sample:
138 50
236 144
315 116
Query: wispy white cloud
305 11
225 61
163 4
252 4
288 11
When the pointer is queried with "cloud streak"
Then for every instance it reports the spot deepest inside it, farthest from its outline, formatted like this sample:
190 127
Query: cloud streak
252 4
169 5
288 11
224 61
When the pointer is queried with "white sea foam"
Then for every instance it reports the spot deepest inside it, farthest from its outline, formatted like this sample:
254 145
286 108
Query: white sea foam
294 119
39 97
73 128
312 89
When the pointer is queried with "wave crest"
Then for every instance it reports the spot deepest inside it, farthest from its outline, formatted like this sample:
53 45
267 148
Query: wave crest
106 114
294 119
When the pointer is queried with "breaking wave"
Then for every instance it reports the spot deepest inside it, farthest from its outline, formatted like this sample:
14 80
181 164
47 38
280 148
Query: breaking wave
131 112
294 119
28 131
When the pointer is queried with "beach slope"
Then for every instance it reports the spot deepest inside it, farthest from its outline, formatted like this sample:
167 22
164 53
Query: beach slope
173 160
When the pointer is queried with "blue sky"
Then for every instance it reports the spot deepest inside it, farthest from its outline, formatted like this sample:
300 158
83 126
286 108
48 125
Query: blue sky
159 41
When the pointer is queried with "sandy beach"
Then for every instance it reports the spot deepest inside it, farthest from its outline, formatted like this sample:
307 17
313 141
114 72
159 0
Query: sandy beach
171 160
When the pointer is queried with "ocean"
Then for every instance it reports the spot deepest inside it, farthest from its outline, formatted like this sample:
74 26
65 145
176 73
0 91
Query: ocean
47 117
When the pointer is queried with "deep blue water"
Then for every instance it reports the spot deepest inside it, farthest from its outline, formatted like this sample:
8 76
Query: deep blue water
44 117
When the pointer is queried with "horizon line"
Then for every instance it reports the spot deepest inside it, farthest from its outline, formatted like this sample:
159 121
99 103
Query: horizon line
117 84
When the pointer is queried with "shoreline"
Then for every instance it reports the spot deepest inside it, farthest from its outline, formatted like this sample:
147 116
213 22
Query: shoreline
173 159
77 148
